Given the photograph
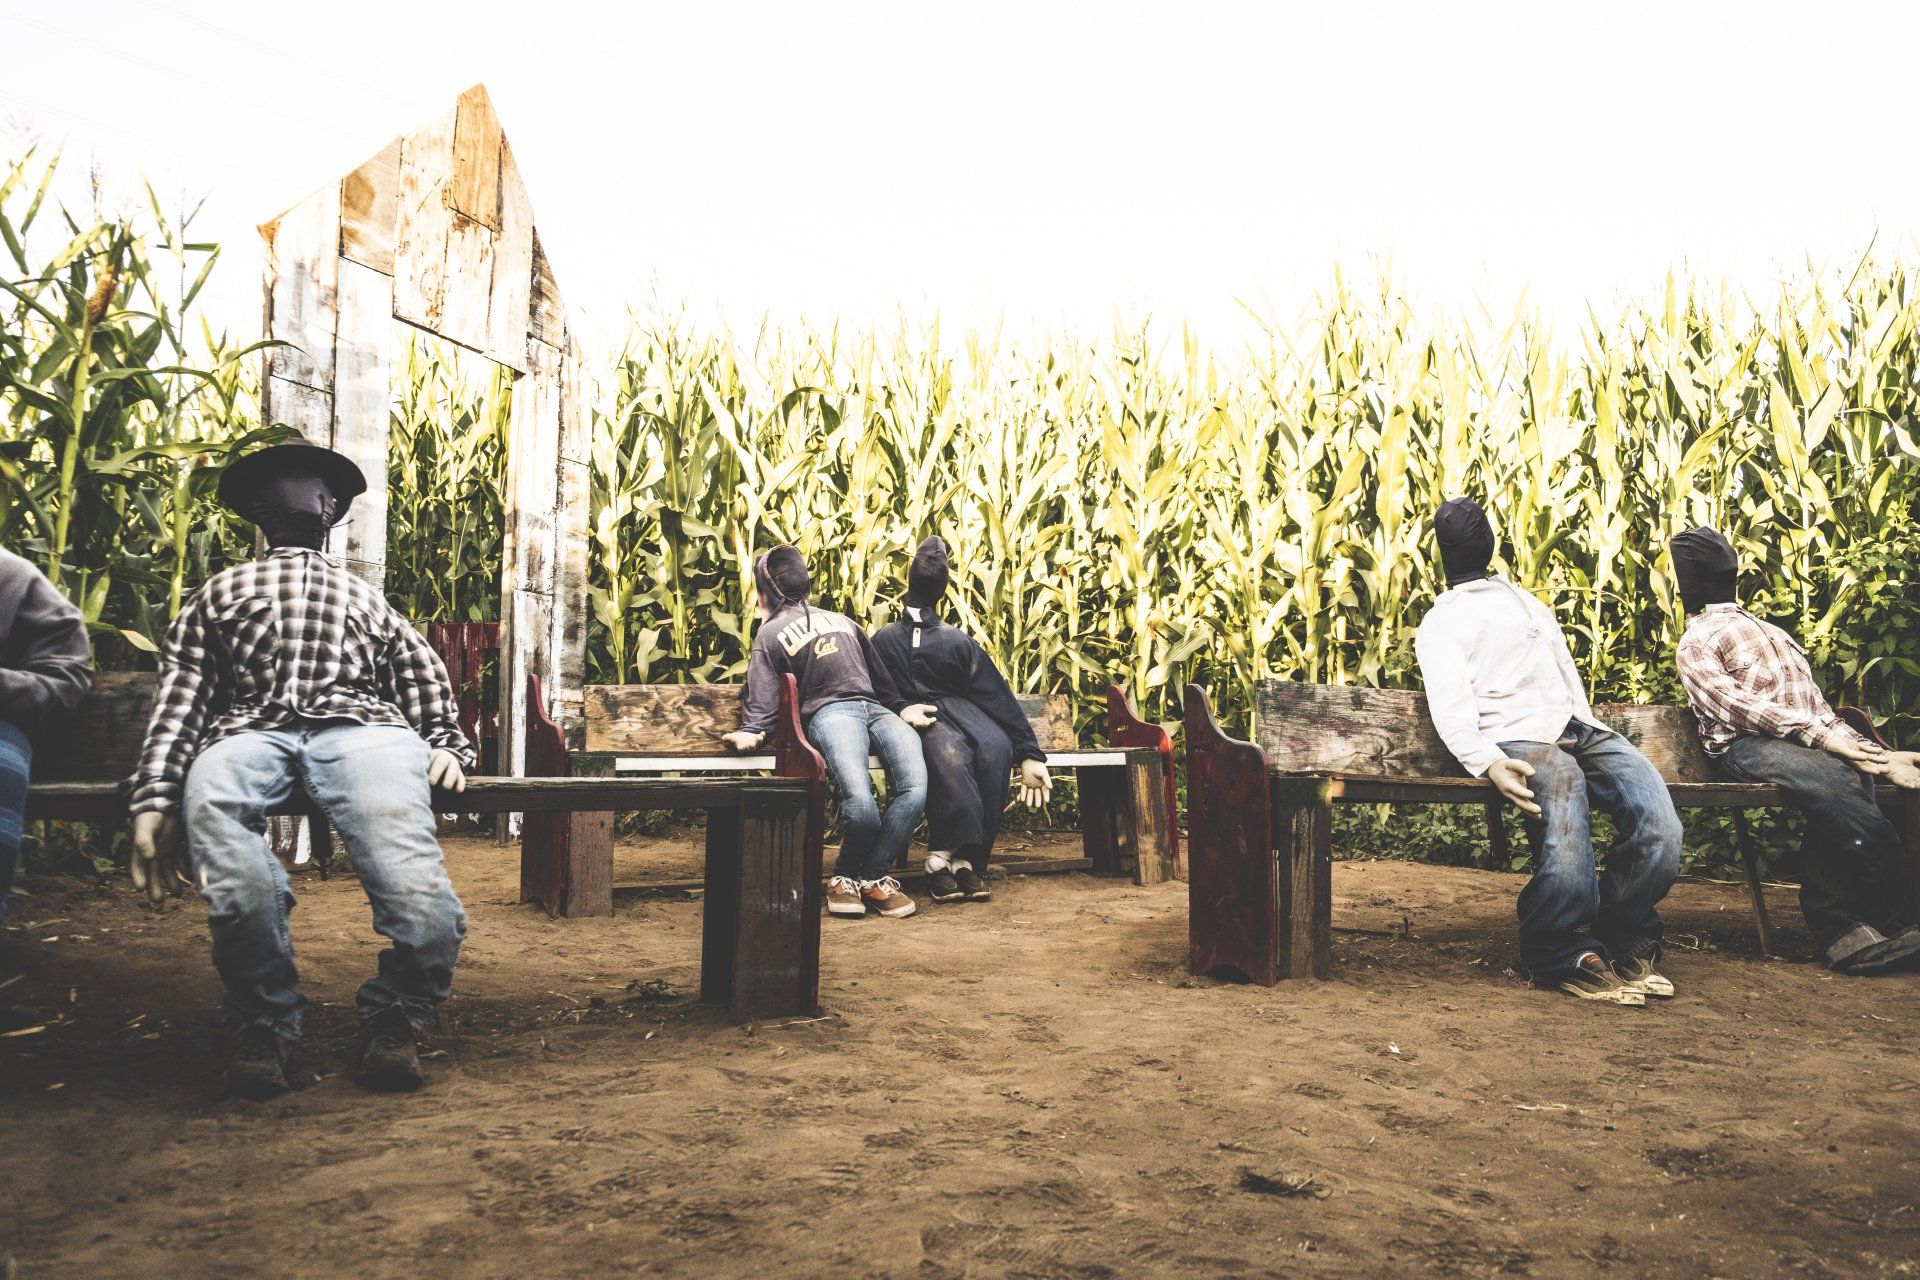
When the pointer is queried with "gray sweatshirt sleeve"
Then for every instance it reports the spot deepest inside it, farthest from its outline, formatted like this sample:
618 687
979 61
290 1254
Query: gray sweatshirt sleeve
761 703
48 664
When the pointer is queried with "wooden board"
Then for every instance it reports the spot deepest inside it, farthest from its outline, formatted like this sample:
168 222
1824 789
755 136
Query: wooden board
510 293
1233 878
473 188
689 719
102 739
363 411
303 256
1387 733
369 207
421 225
548 312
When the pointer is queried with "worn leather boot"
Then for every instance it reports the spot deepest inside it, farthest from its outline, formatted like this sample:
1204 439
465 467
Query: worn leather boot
389 1059
258 1068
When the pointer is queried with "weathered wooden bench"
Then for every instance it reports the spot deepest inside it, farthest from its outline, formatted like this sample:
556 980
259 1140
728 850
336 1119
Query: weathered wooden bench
1127 793
80 763
1260 814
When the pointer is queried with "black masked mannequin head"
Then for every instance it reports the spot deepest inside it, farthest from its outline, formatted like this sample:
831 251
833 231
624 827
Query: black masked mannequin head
1466 540
782 578
927 578
293 492
1706 566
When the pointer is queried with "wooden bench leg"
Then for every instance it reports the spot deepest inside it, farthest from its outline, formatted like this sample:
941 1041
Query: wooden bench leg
1147 828
1497 844
776 972
1102 801
720 906
1750 863
1303 850
566 859
1233 892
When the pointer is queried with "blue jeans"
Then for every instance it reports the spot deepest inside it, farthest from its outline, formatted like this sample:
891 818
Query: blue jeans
847 733
371 782
1852 868
16 763
1567 909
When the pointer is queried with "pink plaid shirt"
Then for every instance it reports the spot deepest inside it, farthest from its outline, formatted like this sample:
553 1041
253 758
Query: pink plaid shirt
1744 676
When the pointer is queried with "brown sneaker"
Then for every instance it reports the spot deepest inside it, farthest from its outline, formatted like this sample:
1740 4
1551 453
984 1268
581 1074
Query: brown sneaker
884 896
843 897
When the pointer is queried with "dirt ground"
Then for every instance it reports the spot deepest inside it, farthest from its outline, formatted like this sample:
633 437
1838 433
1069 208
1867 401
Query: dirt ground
1030 1087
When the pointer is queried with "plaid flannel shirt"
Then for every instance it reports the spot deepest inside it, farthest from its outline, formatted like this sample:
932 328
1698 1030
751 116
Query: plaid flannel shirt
1744 676
290 636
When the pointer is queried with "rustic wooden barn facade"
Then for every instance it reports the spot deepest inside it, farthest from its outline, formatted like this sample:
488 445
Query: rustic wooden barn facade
436 231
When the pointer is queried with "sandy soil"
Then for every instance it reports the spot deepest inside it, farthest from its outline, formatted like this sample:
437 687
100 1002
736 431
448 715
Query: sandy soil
1030 1087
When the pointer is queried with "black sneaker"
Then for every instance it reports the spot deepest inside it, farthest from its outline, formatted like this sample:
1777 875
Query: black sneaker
942 887
972 885
258 1068
389 1060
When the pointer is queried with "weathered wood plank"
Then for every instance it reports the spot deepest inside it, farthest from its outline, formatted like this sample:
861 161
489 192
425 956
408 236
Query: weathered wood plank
102 739
467 284
1051 715
422 224
1309 728
473 187
661 719
302 262
547 311
304 408
1303 850
369 210
510 302
363 410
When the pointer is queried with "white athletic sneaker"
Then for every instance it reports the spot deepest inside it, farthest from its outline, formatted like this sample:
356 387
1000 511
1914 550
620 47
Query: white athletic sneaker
1638 972
1591 979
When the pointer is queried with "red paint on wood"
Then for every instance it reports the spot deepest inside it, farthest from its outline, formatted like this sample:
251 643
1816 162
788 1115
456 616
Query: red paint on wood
1233 893
1125 728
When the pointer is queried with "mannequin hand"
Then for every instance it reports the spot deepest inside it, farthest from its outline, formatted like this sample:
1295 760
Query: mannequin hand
742 741
1863 756
1903 770
157 848
1509 777
920 715
444 771
1036 788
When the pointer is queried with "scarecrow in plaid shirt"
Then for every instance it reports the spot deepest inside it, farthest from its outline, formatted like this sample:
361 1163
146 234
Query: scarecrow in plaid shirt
1762 719
290 673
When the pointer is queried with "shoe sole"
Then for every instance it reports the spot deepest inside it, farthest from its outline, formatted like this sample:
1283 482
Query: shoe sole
897 913
1631 997
981 896
1662 991
255 1091
834 910
948 897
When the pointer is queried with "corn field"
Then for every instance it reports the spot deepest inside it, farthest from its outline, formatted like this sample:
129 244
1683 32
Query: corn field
1145 511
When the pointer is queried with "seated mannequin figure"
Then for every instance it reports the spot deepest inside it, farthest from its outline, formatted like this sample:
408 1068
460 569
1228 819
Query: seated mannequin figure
1508 702
289 673
978 738
46 667
850 710
1763 719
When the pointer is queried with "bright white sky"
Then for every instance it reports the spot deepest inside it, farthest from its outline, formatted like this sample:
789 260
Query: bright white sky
1048 161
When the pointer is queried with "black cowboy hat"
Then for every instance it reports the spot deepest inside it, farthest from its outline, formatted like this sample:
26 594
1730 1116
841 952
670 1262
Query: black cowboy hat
337 471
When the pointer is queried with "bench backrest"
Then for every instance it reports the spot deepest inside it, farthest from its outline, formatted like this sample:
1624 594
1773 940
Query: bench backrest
688 719
1317 728
101 740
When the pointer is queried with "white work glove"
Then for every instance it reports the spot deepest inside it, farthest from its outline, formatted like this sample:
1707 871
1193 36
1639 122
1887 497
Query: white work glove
742 741
1509 778
1863 756
158 866
920 715
1036 788
1903 770
444 771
